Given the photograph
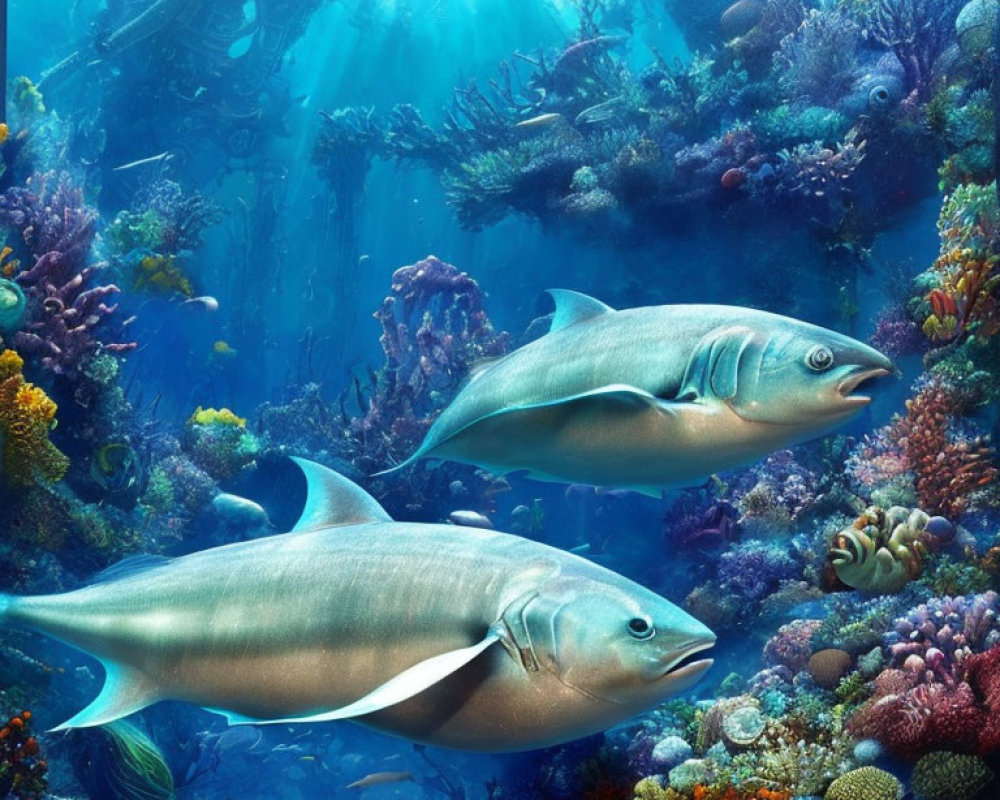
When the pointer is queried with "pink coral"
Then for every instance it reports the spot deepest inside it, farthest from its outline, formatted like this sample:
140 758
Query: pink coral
791 646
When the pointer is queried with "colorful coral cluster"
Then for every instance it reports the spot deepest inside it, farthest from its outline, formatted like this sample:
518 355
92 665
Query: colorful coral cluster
27 415
22 767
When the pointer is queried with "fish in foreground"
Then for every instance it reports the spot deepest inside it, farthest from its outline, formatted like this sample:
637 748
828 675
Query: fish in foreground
652 398
442 634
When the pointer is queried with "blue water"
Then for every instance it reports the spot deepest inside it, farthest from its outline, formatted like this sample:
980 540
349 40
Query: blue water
775 178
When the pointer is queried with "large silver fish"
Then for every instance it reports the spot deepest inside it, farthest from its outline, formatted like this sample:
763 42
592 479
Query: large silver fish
655 397
443 634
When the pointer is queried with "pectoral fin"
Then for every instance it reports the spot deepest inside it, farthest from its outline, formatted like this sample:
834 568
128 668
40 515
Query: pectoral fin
125 691
405 685
715 367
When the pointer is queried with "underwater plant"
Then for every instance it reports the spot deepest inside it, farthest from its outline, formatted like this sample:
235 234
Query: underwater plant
118 760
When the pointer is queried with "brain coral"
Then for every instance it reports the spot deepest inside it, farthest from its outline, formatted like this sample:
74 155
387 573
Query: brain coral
26 417
950 776
828 666
866 783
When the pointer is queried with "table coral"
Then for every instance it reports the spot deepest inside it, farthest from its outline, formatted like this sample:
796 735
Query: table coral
26 417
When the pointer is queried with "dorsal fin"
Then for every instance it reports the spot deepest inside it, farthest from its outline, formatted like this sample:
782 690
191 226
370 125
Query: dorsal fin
573 307
333 500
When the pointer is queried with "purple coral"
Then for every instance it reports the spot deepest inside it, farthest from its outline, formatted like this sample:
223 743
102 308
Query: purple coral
433 327
918 32
753 569
898 335
933 639
66 311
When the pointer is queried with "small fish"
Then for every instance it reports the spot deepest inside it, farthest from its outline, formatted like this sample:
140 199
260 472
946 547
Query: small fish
221 348
472 519
600 112
541 121
205 301
377 778
164 156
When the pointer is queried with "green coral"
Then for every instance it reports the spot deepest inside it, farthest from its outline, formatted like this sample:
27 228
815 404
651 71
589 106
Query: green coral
943 775
218 442
852 689
950 578
865 783
159 494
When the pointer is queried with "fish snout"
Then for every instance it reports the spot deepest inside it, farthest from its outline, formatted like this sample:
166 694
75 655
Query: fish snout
847 385
681 665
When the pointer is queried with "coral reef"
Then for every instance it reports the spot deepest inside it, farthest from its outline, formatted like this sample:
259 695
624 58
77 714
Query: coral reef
865 783
27 415
22 767
218 442
66 313
944 775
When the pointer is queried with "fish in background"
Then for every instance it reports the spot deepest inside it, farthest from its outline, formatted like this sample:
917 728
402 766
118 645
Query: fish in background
443 634
652 398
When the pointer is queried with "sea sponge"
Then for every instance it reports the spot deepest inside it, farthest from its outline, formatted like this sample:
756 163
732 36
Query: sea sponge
27 415
828 666
865 783
943 775
213 416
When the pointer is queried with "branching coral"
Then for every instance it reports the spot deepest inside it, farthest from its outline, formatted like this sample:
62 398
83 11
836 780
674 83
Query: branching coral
818 60
918 32
948 467
433 327
26 417
66 312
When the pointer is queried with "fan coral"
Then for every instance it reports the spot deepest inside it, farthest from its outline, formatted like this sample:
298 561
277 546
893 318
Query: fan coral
817 61
26 417
865 783
882 551
943 775
22 768
828 666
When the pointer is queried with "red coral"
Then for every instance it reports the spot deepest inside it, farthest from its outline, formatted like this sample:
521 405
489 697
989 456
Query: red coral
947 470
982 671
922 719
791 646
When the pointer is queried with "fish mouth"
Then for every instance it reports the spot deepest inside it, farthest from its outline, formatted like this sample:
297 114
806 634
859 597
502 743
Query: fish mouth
847 386
684 666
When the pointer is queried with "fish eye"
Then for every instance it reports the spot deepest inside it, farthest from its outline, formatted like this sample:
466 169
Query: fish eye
819 358
641 628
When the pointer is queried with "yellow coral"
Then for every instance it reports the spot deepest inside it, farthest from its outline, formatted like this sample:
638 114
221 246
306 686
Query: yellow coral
27 415
212 416
161 275
866 783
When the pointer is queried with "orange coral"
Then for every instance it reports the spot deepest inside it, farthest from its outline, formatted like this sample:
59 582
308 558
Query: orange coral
27 415
947 471
716 792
